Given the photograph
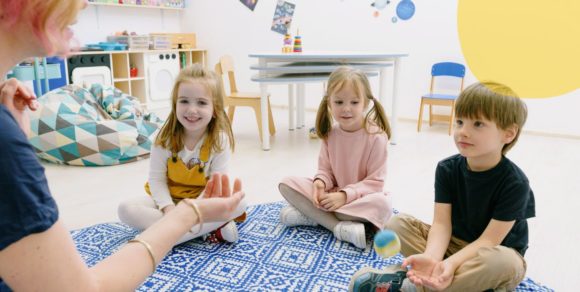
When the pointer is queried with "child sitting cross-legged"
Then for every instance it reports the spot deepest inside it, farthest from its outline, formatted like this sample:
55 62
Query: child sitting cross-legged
479 233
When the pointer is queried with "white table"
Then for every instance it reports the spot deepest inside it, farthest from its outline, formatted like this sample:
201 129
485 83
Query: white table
305 67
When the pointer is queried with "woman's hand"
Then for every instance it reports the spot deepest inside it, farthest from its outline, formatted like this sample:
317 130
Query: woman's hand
219 202
332 201
317 191
17 97
167 209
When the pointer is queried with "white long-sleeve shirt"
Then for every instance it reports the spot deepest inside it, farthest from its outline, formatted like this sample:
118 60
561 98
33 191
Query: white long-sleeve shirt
217 162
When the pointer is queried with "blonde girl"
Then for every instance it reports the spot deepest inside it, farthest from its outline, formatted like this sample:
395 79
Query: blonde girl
347 189
195 142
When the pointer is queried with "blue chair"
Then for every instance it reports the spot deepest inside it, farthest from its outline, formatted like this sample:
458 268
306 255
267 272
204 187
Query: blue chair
449 69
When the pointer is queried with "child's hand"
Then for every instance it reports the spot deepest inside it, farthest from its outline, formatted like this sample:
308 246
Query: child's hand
333 201
441 277
167 209
17 98
317 191
428 272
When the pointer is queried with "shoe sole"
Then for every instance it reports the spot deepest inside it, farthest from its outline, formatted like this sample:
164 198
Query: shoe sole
235 232
362 239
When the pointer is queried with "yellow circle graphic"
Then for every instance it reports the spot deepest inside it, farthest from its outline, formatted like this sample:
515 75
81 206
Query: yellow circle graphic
531 46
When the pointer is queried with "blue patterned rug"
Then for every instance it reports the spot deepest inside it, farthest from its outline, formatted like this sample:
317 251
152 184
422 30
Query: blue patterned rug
268 257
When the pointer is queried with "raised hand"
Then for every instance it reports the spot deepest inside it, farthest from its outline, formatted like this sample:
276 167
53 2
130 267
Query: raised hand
332 201
219 186
219 203
17 98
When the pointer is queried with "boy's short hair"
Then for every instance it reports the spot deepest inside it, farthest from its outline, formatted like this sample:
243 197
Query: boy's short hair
495 102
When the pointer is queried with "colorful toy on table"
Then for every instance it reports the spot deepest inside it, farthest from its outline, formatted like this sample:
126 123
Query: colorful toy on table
297 43
287 48
387 243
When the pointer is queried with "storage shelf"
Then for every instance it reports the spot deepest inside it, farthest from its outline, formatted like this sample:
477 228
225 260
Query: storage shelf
136 6
139 86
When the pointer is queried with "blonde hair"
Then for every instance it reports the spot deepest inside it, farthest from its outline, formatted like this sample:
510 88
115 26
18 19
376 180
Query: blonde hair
341 77
172 134
49 19
495 102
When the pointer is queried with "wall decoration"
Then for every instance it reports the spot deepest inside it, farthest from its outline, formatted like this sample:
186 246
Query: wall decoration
538 56
251 4
379 5
283 17
404 10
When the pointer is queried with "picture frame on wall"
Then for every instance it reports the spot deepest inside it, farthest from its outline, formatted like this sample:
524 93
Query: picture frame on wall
251 4
283 17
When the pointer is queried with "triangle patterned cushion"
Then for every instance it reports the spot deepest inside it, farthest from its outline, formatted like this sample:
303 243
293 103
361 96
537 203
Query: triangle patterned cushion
72 127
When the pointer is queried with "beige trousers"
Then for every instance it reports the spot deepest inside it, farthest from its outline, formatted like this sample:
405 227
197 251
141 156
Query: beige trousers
498 267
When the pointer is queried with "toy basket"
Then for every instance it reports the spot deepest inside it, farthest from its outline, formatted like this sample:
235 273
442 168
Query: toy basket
135 42
160 42
179 40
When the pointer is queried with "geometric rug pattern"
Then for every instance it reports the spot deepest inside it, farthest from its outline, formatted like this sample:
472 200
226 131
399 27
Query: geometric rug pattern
267 257
96 127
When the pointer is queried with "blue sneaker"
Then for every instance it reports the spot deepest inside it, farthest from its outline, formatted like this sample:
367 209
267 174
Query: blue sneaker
372 280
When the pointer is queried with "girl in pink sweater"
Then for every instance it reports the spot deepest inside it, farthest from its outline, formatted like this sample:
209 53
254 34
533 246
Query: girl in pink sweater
347 190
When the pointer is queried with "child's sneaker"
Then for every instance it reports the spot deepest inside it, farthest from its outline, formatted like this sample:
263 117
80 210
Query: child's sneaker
226 233
290 216
369 279
353 232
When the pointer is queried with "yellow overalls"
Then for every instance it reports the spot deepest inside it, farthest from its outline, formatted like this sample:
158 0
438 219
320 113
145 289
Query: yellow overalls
185 183
188 183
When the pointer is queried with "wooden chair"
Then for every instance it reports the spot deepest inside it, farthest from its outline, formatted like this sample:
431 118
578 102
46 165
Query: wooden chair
236 98
441 69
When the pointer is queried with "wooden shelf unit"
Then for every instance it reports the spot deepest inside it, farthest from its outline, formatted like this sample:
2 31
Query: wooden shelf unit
121 62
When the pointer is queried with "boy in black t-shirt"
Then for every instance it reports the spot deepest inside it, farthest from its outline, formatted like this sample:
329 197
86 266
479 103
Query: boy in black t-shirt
482 200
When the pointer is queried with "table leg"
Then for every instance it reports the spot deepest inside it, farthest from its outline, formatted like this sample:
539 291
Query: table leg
264 107
395 113
300 102
291 109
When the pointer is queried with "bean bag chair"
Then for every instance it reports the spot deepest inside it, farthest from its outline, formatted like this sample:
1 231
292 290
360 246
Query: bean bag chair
91 127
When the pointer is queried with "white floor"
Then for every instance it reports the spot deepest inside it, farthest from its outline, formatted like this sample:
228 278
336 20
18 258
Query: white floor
90 195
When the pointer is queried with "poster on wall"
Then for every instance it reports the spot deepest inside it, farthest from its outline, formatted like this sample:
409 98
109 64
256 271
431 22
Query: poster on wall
283 17
251 4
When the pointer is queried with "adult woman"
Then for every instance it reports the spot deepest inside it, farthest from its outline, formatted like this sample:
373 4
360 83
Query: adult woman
36 250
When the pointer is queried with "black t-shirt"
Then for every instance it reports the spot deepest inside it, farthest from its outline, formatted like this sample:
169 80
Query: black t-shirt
26 206
502 193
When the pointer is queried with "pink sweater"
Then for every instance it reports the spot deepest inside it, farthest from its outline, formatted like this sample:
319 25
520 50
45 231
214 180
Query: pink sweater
353 162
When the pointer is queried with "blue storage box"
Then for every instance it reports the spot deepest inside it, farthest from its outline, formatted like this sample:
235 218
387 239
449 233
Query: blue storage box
108 46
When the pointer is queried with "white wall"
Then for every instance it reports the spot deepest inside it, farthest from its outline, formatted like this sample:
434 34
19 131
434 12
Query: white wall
228 27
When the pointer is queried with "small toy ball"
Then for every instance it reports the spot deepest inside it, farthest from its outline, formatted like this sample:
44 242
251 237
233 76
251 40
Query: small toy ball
387 243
